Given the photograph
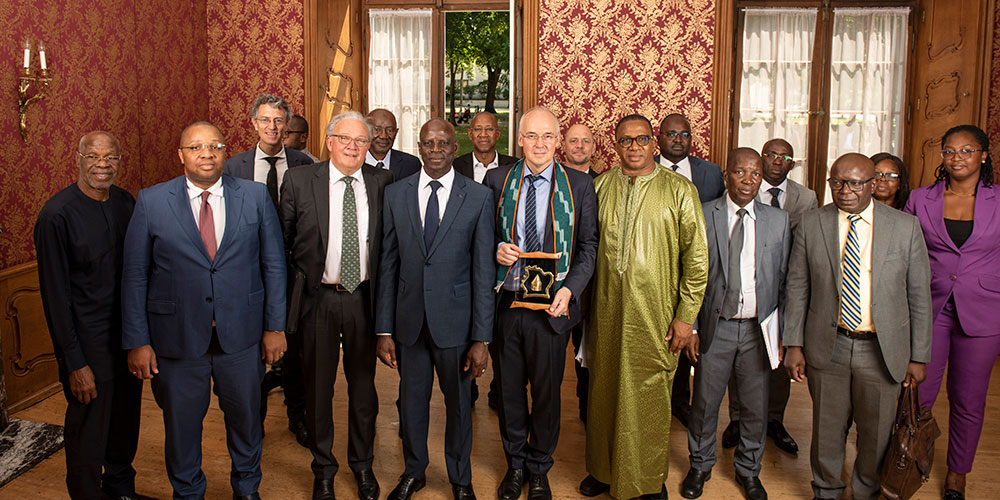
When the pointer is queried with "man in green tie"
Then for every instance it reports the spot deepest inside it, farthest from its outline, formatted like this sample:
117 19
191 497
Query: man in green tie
331 213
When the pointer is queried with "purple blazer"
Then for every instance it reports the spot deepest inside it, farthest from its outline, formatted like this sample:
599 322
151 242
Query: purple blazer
971 273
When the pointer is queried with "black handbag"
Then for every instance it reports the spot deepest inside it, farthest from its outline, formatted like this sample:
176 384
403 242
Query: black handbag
907 464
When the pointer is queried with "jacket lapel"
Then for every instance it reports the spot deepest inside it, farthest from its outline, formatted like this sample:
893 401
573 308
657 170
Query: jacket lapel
721 222
413 208
233 196
371 189
882 230
321 196
934 213
985 204
453 206
830 229
791 197
180 205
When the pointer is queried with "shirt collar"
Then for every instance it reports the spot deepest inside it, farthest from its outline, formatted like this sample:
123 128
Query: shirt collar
867 214
260 154
732 208
446 180
685 162
337 175
371 160
492 164
195 191
765 186
546 174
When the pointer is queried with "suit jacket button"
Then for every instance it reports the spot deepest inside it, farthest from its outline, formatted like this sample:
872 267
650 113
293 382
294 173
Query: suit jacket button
213 271
208 299
953 277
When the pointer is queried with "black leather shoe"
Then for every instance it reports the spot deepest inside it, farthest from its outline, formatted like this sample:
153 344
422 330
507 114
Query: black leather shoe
694 482
298 427
129 496
782 439
463 492
272 380
953 495
591 487
408 485
538 487
731 436
367 485
662 495
323 489
682 413
510 487
475 393
252 496
752 488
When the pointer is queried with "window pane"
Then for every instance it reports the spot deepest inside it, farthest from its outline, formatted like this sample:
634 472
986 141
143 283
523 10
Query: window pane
774 88
867 82
399 70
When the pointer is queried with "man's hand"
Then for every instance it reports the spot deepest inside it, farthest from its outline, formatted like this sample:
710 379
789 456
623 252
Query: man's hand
692 348
385 349
507 254
272 346
795 363
142 362
679 334
81 384
475 360
915 373
781 352
560 303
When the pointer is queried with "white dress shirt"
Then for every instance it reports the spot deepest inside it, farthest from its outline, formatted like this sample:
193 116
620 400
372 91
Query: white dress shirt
479 170
261 166
331 270
215 200
764 197
424 193
748 262
683 166
369 159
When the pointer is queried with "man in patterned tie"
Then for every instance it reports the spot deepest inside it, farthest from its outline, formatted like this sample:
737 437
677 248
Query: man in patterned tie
331 213
858 314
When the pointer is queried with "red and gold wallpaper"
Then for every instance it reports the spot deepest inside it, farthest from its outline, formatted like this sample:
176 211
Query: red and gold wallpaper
993 117
600 60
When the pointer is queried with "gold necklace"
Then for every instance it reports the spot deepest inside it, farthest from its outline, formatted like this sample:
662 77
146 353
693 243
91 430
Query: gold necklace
970 195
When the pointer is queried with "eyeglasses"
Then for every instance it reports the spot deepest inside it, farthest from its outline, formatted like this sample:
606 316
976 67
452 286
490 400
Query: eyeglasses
642 140
886 177
774 156
388 130
671 134
856 186
265 121
94 158
480 130
346 139
290 132
532 137
961 153
212 148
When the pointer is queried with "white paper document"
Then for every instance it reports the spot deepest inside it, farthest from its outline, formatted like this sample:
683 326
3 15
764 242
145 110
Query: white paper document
771 332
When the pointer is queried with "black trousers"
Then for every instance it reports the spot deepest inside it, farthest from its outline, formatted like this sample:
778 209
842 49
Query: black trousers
680 394
98 458
527 351
582 374
334 319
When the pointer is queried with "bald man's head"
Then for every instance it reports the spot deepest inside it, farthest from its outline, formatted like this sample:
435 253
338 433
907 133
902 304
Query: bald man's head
743 175
851 182
437 147
777 156
383 124
99 160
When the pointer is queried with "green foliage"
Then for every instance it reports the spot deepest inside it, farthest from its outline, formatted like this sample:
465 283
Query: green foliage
478 39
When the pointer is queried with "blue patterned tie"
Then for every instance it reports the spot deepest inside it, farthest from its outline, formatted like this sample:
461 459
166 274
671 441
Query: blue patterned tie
431 217
531 243
850 288
350 262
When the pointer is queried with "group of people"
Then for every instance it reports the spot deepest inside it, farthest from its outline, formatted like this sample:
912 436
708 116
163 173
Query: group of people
664 262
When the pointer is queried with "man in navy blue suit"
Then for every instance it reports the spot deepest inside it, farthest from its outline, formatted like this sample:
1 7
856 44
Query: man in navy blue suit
381 153
203 304
434 306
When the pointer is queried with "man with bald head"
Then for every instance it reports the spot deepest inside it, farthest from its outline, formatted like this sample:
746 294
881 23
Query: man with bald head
381 154
543 207
484 132
434 306
857 322
203 307
578 148
78 243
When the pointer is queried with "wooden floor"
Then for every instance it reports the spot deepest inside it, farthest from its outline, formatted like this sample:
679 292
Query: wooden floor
287 475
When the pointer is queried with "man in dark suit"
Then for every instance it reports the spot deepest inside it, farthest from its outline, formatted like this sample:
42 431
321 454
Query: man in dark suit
434 306
484 132
332 216
297 136
748 245
203 307
858 315
267 164
674 140
543 207
381 154
578 149
776 190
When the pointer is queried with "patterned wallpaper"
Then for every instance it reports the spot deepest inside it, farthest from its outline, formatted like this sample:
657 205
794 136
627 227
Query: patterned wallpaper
603 59
993 124
253 47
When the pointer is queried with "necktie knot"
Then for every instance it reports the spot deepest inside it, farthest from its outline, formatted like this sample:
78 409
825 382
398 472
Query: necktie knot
204 196
741 212
775 193
674 167
348 180
531 178
853 218
380 164
272 160
434 186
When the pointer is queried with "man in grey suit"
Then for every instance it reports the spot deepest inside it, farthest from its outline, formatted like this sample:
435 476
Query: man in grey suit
435 303
858 315
776 190
748 245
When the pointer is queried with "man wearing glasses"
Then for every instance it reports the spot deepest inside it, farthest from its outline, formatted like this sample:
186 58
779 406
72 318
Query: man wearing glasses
381 154
858 315
297 135
331 213
484 132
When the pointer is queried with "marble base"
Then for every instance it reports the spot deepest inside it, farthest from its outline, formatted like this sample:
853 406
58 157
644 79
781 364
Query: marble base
24 444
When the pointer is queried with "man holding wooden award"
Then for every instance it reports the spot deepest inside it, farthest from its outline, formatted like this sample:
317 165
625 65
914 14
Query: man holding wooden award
546 245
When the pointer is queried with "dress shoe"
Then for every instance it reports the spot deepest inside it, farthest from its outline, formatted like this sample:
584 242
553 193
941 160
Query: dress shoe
272 380
591 487
323 489
510 487
662 495
683 413
782 439
953 495
731 436
408 485
128 496
493 401
694 482
463 492
252 496
297 425
752 488
538 487
475 393
367 484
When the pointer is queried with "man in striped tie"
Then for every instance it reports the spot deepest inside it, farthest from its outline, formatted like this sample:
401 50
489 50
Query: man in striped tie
858 314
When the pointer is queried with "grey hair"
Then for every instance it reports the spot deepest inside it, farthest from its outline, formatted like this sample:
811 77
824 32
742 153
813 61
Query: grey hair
273 101
86 139
348 115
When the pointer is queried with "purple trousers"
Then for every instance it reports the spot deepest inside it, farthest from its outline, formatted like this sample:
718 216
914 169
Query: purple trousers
970 362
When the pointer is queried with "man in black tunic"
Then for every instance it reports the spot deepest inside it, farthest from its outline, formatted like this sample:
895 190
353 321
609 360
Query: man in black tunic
78 242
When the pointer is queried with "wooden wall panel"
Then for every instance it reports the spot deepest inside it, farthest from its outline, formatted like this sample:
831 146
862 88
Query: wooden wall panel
30 372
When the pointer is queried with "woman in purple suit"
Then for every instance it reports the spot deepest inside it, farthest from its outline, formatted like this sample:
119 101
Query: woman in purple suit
960 217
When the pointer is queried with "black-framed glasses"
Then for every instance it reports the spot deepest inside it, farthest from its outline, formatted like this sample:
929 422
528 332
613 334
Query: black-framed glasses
94 158
290 132
775 156
961 153
856 186
886 177
212 148
346 139
641 140
671 134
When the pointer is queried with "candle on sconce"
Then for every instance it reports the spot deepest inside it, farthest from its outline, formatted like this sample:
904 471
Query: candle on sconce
27 53
41 54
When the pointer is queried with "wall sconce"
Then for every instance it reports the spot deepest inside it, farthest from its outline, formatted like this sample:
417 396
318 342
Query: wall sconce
24 85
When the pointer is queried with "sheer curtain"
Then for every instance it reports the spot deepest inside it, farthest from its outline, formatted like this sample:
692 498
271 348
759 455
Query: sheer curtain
867 81
399 70
774 88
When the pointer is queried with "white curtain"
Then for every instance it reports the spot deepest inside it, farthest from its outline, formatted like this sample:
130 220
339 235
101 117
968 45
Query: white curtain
399 70
867 81
774 88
